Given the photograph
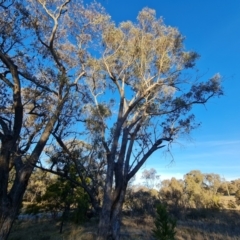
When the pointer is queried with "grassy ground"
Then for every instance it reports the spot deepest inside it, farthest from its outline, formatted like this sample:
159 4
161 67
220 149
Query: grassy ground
195 225
222 225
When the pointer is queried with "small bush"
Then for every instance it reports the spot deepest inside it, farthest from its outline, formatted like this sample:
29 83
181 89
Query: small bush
33 209
79 215
237 197
231 204
164 224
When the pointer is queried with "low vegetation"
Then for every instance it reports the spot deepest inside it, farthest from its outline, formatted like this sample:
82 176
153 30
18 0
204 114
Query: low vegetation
200 206
195 225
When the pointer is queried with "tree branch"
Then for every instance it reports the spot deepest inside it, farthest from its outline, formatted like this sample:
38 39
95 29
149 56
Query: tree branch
17 102
5 127
3 77
155 147
34 80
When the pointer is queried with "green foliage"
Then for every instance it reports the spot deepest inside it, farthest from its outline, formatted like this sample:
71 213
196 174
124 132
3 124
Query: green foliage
172 192
215 202
79 214
164 224
62 196
142 201
33 209
196 190
201 189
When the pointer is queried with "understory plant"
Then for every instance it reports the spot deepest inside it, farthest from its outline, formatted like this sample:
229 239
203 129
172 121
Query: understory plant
165 224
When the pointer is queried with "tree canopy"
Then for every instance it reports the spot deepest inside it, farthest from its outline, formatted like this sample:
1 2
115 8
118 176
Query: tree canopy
90 94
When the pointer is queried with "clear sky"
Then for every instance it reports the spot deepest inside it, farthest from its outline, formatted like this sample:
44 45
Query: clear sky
212 28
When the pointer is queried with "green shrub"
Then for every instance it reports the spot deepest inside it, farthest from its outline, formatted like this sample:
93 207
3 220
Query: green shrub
164 224
79 214
33 209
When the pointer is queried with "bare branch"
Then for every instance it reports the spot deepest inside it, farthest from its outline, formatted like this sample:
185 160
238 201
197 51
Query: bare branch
18 108
54 30
7 81
157 145
35 81
78 78
6 7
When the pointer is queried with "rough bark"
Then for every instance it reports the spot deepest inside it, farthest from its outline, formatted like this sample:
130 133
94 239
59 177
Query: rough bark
6 220
11 203
111 216
116 215
104 229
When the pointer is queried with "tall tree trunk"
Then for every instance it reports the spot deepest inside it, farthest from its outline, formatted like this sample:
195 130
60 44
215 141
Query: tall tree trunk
104 230
7 217
11 203
9 210
116 214
111 216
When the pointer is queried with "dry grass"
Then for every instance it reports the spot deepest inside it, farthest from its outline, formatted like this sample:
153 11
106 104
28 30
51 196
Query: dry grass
197 225
226 199
209 224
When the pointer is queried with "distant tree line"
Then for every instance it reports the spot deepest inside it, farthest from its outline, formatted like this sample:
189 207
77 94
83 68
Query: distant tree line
50 193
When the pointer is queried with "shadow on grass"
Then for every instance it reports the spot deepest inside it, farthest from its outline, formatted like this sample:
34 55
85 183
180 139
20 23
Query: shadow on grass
192 224
211 221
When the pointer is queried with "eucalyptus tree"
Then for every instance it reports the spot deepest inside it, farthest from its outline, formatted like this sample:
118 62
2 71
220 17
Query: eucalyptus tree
172 192
143 104
201 189
140 100
43 53
150 177
68 72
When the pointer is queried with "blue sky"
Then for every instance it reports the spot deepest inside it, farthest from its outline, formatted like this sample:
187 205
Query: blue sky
212 28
